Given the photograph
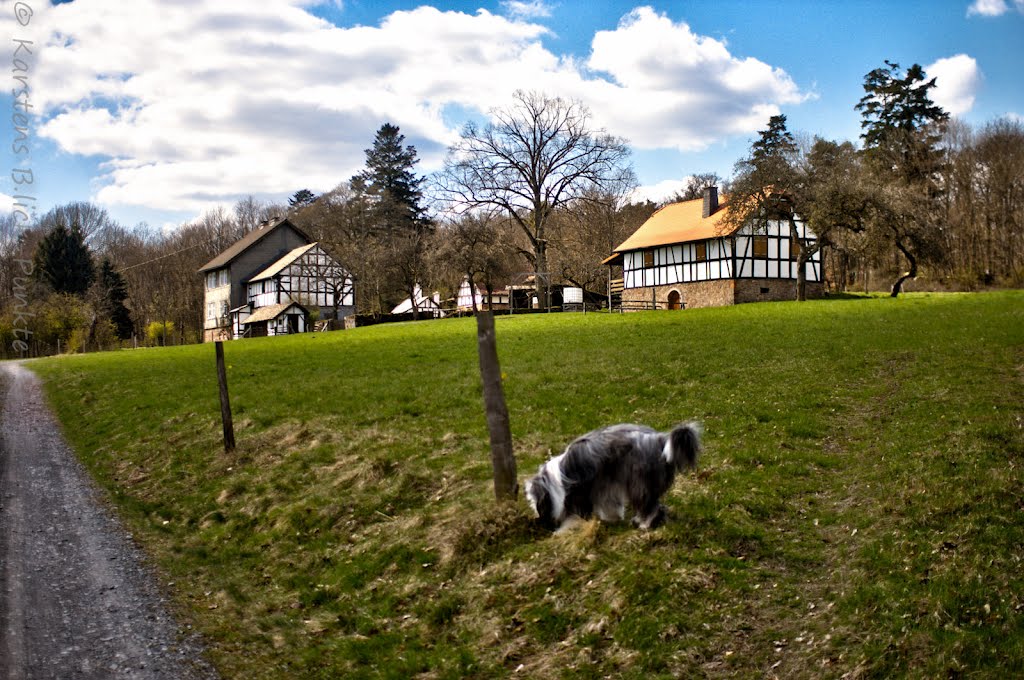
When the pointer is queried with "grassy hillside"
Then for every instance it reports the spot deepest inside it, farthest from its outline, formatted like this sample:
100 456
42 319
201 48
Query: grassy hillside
859 508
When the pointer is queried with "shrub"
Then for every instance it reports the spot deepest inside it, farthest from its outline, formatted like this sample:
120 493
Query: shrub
159 332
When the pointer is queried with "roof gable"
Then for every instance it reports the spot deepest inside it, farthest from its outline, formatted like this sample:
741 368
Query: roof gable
679 223
249 240
286 260
271 312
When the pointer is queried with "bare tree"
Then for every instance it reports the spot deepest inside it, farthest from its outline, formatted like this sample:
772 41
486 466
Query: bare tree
473 246
91 219
587 230
533 158
341 219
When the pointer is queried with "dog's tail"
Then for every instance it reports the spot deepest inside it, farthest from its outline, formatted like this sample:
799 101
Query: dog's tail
685 443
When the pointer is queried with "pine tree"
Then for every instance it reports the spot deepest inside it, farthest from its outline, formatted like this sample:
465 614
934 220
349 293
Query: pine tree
113 292
395 213
774 143
902 130
389 177
302 198
902 125
62 260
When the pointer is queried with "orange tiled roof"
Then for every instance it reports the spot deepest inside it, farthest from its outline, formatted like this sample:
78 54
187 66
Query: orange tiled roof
679 223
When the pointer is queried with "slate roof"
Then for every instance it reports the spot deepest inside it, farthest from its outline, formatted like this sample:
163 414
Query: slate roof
244 243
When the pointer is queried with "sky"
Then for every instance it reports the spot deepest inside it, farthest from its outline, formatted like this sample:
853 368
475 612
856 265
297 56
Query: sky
160 110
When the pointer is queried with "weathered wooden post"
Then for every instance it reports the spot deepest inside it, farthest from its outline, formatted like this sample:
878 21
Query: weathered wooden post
503 460
225 403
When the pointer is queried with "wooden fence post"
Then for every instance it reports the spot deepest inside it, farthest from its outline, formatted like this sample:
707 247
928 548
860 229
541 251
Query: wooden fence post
503 460
225 403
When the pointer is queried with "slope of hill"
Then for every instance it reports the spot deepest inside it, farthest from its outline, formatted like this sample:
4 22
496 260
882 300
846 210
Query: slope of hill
858 508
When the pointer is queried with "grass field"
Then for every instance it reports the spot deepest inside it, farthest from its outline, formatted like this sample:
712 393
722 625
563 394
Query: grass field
858 511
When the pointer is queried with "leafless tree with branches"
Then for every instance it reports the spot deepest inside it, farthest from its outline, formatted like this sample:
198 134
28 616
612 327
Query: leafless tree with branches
532 158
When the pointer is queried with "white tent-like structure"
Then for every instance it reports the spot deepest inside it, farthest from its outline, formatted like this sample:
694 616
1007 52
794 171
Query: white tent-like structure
424 305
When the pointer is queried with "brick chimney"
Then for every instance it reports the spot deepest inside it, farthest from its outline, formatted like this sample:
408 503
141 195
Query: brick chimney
710 201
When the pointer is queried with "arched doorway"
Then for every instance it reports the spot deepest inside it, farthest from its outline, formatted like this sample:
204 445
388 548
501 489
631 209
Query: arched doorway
674 300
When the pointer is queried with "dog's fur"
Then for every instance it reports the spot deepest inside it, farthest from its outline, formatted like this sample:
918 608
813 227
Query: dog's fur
606 470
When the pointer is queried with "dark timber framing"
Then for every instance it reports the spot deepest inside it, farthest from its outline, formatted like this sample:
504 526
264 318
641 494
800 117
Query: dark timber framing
724 257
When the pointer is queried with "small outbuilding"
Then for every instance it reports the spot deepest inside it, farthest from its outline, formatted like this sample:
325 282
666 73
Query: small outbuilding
279 319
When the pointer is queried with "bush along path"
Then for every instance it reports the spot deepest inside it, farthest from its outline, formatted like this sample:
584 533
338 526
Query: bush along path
76 600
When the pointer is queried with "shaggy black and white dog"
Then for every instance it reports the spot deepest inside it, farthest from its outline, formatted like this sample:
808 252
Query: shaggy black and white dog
610 469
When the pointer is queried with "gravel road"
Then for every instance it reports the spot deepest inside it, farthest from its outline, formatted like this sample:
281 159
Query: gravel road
76 597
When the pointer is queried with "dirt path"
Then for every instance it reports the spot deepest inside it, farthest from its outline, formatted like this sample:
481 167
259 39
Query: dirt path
76 600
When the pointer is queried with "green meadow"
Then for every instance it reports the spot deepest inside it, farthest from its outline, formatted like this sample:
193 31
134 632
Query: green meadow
858 510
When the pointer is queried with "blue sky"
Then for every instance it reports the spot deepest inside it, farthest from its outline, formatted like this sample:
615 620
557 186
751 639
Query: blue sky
158 111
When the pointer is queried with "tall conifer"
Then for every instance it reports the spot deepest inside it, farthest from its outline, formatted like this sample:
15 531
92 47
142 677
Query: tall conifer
63 262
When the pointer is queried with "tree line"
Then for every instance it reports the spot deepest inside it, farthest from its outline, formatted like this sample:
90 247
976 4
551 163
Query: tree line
538 194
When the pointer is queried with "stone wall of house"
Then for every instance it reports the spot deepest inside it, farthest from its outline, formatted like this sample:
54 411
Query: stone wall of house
716 293
773 290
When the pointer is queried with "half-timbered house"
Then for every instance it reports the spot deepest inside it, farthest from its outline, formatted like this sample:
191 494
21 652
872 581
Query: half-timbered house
467 296
274 266
688 255
426 307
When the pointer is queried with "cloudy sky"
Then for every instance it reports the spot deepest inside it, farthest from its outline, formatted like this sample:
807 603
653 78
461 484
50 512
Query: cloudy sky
160 109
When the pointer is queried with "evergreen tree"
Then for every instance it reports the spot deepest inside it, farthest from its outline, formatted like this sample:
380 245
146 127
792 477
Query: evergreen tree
62 260
302 198
771 184
112 294
395 215
389 178
902 130
902 125
768 181
775 143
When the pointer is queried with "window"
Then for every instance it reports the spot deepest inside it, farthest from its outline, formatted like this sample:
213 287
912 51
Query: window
702 251
760 246
648 258
217 279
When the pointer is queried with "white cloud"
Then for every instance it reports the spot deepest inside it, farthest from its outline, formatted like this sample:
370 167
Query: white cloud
526 9
197 104
988 8
957 81
993 8
659 192
674 88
